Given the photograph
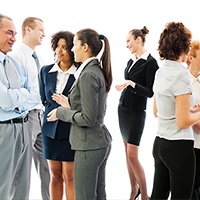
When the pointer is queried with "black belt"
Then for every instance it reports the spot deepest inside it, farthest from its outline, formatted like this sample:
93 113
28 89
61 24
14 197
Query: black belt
36 110
15 120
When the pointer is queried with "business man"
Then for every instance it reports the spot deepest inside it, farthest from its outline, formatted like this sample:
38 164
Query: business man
32 36
16 94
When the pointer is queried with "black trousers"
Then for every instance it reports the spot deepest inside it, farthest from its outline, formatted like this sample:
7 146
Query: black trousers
196 191
174 169
197 175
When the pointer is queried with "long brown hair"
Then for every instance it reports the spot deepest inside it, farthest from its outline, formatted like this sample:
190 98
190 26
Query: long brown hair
94 41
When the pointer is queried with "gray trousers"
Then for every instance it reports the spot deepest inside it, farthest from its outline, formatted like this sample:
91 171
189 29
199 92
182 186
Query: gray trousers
15 149
35 123
89 174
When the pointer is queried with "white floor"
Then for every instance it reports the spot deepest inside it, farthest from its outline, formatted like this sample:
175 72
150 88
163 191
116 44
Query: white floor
117 180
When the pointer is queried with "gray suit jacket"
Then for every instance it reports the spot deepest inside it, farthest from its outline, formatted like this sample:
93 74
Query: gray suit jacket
88 108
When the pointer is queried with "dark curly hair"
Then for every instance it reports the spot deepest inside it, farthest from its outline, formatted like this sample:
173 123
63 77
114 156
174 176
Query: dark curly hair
174 40
68 37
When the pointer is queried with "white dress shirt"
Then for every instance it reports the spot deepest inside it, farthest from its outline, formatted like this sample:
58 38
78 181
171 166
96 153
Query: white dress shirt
195 82
62 77
24 54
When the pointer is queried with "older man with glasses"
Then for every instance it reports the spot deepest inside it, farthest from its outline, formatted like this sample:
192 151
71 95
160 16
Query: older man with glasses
15 142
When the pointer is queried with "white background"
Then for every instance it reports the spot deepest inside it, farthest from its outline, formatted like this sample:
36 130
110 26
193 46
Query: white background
113 19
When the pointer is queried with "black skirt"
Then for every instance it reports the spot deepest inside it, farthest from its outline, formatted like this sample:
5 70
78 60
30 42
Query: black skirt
57 149
131 124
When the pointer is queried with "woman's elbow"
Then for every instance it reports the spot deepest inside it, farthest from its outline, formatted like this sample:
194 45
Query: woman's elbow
88 122
155 114
182 124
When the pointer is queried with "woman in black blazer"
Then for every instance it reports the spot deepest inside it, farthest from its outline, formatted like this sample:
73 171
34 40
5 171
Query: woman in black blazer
55 83
139 75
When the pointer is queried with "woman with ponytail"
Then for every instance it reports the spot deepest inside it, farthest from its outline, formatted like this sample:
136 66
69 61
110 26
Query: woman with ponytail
86 110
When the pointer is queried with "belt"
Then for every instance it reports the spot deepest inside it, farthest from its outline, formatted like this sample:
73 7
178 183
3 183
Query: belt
15 120
36 110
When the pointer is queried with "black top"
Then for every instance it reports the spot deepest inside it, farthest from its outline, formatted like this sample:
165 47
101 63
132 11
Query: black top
142 73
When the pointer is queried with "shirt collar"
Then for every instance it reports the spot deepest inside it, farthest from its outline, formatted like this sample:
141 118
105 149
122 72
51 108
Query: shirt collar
143 56
27 48
80 69
194 78
2 57
56 68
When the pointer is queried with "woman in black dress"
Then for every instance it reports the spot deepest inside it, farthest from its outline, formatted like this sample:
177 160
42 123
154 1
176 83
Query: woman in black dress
55 83
139 76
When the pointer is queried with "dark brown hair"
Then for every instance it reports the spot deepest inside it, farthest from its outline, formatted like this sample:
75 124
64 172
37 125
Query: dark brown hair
94 41
140 33
174 40
68 37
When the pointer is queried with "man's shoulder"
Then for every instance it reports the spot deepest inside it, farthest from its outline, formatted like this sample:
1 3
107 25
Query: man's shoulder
17 54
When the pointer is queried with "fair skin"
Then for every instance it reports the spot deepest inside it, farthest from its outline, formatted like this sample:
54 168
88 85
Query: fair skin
81 53
135 169
62 172
7 35
194 68
185 116
34 37
135 46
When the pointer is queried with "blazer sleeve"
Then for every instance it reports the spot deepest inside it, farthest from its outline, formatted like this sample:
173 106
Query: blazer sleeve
42 86
147 91
89 91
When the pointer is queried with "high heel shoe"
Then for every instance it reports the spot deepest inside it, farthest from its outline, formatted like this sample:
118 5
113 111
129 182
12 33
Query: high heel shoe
136 196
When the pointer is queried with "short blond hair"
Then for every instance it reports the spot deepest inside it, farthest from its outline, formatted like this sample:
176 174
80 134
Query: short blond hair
29 21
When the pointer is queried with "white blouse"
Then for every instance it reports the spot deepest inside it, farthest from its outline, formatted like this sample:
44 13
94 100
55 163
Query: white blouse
62 77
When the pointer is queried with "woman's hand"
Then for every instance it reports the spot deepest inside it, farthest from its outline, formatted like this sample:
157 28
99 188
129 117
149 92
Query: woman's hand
52 115
61 99
195 108
124 85
197 127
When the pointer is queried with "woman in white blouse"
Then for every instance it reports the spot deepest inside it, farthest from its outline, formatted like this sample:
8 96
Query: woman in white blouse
173 149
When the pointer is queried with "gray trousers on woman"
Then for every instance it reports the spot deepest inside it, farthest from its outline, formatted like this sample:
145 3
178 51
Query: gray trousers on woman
89 174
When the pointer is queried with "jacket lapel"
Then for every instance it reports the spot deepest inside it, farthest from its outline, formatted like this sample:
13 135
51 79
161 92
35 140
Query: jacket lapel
69 84
53 80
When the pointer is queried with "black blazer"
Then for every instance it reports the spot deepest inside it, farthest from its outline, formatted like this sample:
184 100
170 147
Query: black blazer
57 129
142 73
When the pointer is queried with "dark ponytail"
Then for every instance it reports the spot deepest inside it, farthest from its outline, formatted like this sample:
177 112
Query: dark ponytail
95 42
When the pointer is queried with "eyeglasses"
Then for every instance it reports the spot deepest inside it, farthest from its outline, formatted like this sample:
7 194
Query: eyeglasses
9 33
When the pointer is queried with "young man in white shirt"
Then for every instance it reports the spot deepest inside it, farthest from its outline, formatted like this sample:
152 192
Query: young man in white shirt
32 36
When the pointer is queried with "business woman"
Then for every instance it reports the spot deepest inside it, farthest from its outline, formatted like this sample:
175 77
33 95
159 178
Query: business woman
55 83
89 136
136 90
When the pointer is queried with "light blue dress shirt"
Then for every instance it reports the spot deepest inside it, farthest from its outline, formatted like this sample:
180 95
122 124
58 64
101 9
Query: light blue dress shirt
15 100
